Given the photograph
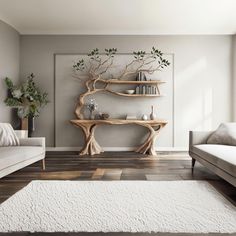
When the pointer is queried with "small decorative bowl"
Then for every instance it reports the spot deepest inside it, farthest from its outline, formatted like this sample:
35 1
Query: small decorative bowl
130 91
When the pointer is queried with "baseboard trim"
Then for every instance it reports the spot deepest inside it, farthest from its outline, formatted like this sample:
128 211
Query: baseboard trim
117 149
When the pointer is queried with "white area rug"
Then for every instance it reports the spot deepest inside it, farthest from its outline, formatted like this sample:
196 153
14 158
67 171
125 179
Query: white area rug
118 206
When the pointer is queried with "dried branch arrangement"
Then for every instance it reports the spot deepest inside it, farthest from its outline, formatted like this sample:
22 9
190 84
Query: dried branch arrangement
92 71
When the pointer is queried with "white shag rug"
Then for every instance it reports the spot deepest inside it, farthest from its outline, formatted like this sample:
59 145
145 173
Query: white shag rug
118 206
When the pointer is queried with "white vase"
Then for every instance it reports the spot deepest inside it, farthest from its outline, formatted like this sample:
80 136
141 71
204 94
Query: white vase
153 116
144 117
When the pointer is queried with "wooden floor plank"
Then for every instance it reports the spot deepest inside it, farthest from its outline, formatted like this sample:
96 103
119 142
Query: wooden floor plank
113 166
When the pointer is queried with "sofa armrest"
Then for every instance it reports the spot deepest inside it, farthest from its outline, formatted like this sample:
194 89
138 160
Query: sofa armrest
32 142
198 137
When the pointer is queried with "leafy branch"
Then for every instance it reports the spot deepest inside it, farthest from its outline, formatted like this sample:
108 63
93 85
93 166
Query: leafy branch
92 70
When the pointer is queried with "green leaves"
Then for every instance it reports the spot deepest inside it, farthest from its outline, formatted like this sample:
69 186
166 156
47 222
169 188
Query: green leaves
94 54
79 66
157 55
110 51
165 62
95 58
100 63
12 102
27 97
139 55
9 83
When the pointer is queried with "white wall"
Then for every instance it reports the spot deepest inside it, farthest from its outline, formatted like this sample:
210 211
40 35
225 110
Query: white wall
203 90
9 64
202 73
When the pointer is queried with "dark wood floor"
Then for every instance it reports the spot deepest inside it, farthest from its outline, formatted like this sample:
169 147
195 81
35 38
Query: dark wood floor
113 166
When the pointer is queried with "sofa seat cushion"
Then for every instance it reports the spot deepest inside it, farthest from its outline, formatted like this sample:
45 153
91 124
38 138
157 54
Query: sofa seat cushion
222 156
13 155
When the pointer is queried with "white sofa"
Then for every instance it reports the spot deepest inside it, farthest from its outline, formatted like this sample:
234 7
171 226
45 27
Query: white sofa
220 159
13 158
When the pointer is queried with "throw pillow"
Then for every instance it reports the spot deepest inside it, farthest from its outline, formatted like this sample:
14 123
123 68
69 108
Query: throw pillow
225 134
8 136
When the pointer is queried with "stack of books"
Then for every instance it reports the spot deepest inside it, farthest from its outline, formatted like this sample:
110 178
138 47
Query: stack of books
146 89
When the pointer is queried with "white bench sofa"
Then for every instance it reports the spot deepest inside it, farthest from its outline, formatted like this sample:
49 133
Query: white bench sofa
13 158
220 159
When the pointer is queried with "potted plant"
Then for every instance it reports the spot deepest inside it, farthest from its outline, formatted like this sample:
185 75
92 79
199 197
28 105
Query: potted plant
28 99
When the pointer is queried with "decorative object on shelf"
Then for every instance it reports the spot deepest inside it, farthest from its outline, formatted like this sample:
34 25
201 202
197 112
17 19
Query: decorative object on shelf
131 117
92 107
105 116
130 91
97 116
144 117
28 99
102 116
93 73
153 116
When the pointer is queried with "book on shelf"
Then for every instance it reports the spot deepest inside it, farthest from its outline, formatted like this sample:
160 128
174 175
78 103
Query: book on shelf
141 76
131 117
146 89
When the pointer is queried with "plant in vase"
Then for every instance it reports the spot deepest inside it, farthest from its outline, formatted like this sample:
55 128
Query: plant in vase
92 106
28 99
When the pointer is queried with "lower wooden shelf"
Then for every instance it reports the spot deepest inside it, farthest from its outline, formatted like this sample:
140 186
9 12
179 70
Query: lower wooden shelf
133 95
92 147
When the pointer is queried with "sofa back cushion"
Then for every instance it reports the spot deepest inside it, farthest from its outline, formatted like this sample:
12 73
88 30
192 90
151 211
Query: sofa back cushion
225 134
8 136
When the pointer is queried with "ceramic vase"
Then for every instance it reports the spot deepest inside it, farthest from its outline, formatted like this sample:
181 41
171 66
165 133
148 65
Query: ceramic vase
153 116
31 125
144 117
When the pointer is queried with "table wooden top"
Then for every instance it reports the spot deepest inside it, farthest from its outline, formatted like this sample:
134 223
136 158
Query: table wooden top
120 121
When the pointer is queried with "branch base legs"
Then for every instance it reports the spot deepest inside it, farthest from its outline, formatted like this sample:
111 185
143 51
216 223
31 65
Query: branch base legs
148 147
91 146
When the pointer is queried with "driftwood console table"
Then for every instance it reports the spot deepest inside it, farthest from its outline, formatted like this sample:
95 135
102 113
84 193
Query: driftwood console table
91 146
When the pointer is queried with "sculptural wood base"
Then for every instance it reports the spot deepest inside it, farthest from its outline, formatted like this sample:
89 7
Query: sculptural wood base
92 147
148 147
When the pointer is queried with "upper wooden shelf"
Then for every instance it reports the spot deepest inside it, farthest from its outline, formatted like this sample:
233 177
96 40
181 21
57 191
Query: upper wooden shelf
116 81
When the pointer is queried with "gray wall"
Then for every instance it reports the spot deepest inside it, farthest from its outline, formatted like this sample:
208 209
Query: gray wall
203 77
68 88
234 77
9 64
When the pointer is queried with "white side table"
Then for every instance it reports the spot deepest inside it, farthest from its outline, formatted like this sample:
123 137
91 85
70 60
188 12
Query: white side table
21 133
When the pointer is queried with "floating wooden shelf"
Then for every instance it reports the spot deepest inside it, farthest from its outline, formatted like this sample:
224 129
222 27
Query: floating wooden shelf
138 95
116 81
